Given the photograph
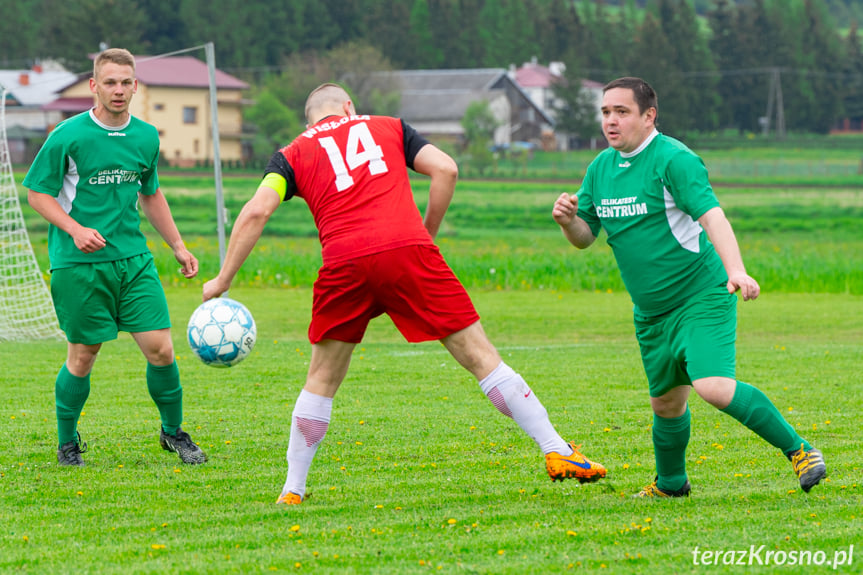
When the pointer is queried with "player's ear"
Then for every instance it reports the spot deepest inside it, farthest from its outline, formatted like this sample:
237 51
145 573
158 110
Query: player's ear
349 109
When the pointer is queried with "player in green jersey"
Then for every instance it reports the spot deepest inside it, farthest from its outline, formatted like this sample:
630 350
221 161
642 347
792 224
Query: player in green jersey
681 264
87 181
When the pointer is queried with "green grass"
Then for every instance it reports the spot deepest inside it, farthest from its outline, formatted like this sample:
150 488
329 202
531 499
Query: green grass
500 235
816 162
419 473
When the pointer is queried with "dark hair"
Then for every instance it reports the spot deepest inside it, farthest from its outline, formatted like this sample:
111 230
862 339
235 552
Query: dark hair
644 95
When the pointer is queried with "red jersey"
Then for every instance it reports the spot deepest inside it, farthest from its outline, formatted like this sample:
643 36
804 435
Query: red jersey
352 173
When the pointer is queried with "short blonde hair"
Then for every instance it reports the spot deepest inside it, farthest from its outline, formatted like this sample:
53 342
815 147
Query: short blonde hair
119 56
325 97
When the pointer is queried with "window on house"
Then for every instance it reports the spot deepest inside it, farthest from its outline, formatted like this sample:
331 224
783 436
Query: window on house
158 107
190 115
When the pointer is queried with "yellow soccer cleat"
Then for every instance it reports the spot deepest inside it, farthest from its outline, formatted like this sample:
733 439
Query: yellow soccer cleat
560 467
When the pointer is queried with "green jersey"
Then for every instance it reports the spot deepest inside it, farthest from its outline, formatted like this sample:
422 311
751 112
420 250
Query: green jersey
648 202
96 173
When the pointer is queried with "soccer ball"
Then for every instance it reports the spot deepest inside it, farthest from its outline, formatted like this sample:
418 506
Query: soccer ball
221 332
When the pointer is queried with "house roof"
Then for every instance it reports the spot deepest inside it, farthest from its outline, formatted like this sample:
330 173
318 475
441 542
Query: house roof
182 72
435 95
75 105
533 75
35 87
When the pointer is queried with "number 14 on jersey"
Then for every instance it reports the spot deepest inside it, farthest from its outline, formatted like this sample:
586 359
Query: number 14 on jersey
361 149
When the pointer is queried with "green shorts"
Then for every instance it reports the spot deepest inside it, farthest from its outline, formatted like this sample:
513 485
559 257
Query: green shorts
95 301
691 342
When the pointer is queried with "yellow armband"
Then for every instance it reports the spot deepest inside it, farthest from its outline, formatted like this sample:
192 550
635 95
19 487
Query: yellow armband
276 182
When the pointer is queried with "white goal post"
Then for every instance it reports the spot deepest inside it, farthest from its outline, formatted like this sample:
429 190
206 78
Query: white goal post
26 310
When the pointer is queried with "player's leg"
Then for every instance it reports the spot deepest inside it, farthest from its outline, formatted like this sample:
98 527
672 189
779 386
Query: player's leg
426 301
512 396
711 364
669 388
311 416
71 390
83 297
163 384
670 432
143 312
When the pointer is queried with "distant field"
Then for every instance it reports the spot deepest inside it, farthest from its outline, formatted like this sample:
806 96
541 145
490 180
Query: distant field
500 235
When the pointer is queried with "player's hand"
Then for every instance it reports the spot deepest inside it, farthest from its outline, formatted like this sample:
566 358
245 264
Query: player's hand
748 287
188 262
214 288
565 209
88 240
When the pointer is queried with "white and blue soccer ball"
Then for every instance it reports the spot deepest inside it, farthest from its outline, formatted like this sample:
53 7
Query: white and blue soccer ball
221 332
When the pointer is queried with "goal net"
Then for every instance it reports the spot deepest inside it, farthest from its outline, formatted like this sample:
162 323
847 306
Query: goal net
26 311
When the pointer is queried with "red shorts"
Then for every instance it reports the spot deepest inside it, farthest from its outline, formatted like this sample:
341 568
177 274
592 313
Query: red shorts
412 284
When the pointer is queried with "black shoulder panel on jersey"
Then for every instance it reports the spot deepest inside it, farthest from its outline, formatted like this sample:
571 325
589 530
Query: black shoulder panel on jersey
278 164
413 143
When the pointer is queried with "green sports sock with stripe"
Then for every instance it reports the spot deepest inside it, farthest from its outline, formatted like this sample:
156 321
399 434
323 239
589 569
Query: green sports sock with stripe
670 438
163 383
70 395
753 409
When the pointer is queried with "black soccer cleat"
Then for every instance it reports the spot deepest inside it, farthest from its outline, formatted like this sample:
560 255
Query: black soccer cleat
70 452
182 445
809 467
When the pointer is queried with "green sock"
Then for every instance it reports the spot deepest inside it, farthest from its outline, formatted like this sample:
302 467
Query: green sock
670 438
70 395
163 383
753 409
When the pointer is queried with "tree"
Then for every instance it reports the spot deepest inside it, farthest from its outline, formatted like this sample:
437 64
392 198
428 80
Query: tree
741 47
824 57
506 32
367 75
558 30
424 51
693 98
467 34
724 44
650 59
575 106
853 72
72 31
276 124
479 125
164 28
19 33
385 24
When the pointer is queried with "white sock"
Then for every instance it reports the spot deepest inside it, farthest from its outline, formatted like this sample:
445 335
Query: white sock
511 395
309 423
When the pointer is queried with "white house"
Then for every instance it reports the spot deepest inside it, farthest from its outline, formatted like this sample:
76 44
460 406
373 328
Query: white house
434 103
538 82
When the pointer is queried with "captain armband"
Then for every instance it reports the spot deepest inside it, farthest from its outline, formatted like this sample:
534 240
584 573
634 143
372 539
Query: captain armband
276 182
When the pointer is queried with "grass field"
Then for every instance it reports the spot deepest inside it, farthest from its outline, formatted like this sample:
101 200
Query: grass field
419 473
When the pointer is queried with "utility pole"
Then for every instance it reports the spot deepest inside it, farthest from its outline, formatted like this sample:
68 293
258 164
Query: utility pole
774 100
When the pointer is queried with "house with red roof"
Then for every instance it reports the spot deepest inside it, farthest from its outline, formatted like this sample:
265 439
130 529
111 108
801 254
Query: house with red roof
25 116
537 81
173 95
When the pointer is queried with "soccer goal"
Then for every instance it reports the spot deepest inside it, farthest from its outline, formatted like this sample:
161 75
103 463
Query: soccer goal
27 312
